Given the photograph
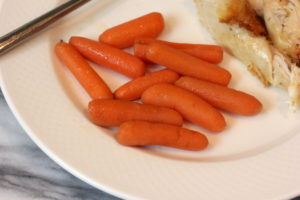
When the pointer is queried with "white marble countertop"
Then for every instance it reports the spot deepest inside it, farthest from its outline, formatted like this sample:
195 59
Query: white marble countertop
27 173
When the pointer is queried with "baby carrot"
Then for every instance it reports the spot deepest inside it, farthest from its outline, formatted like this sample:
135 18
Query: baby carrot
83 72
139 133
134 89
115 112
123 35
140 51
222 97
110 57
209 53
185 64
189 105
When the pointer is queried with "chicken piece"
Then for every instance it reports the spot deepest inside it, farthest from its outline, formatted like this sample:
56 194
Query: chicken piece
282 18
258 6
242 14
254 50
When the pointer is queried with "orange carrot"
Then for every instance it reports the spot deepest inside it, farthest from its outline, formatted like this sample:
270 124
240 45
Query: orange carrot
140 51
222 97
84 73
209 53
115 112
185 64
189 105
134 89
123 35
110 57
139 133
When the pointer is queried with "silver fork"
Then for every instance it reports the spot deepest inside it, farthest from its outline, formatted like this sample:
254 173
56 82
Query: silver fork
28 30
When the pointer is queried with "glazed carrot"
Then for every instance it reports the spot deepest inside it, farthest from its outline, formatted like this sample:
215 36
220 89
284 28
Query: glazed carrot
222 97
185 64
189 105
115 112
134 89
110 57
140 50
209 53
139 133
83 72
123 35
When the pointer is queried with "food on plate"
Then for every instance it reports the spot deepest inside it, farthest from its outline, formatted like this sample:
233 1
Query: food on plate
140 51
257 5
225 98
115 112
235 26
186 64
83 72
110 57
133 90
209 53
283 21
193 87
140 133
123 35
240 13
189 105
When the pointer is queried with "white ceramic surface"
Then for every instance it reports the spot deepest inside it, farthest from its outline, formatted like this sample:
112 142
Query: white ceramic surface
255 158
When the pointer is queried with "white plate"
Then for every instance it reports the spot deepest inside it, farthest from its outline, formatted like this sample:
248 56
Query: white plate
255 158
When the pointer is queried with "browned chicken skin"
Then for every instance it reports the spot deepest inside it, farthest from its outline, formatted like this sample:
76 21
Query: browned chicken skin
258 6
243 15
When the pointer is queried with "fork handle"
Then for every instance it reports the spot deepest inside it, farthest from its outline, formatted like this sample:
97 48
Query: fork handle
26 31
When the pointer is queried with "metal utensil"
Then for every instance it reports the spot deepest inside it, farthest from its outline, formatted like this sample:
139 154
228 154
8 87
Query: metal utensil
26 31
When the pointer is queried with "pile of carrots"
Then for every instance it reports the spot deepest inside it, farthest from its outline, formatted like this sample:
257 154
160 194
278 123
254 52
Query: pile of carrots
192 87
